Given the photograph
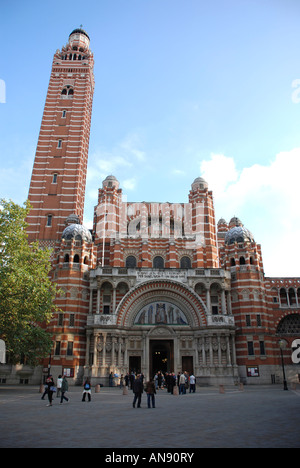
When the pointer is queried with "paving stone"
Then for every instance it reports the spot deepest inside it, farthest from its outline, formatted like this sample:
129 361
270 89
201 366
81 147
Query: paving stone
255 417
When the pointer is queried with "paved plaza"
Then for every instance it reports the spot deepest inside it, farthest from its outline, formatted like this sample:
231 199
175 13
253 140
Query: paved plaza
256 417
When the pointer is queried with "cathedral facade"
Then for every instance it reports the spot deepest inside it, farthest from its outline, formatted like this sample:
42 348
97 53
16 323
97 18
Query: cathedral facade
153 286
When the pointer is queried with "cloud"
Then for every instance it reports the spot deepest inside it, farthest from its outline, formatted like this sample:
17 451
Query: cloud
130 144
104 164
266 198
129 184
219 172
124 155
178 172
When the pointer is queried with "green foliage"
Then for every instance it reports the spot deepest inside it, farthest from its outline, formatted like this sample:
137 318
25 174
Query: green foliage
26 292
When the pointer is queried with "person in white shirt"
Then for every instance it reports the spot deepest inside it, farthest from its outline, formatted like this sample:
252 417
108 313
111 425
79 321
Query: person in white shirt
192 383
182 389
59 383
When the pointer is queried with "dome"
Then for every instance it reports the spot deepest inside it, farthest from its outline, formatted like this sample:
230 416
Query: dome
80 31
222 221
235 222
73 219
238 234
199 183
77 232
222 225
111 181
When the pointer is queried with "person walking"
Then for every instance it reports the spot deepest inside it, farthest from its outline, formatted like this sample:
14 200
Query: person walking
87 390
45 390
50 384
64 389
151 391
138 390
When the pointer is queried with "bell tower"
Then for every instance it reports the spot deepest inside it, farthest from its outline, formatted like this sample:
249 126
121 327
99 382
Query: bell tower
57 187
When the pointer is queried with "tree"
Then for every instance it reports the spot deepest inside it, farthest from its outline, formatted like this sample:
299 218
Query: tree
26 291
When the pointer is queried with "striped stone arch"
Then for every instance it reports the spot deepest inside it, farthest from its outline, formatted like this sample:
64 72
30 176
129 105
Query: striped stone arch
162 290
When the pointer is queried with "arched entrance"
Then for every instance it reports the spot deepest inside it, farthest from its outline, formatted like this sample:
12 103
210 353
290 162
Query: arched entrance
161 356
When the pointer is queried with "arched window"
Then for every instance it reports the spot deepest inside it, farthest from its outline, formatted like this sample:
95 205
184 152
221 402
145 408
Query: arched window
67 91
158 263
290 325
292 297
185 263
283 297
67 258
49 220
76 258
242 261
131 262
232 262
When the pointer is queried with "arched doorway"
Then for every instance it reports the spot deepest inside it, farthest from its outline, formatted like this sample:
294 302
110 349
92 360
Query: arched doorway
161 356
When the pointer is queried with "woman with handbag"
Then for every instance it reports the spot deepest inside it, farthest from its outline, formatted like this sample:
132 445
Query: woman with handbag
50 384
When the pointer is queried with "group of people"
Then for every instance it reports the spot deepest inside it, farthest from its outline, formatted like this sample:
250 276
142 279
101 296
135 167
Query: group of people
182 380
62 386
136 382
138 390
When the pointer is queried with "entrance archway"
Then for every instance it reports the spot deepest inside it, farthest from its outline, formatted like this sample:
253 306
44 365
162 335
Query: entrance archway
161 356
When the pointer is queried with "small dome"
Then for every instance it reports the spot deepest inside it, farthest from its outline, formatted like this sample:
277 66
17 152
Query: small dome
238 234
111 181
73 219
199 183
222 221
77 232
80 31
222 225
235 222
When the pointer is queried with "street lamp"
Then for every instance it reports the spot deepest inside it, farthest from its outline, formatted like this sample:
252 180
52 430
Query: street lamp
282 345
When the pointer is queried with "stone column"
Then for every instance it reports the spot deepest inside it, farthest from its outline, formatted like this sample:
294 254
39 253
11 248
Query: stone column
91 301
98 301
87 349
219 351
229 308
114 298
223 302
228 351
208 303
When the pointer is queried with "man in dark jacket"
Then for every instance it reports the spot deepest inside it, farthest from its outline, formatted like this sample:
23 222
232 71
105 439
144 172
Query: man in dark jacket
138 391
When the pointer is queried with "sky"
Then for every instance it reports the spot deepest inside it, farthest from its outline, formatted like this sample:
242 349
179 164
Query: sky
184 88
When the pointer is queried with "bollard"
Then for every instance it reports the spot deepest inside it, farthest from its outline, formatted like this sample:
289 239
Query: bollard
222 389
175 390
42 388
125 390
97 388
241 387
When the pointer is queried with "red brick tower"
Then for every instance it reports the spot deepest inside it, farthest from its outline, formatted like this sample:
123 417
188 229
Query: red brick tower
57 187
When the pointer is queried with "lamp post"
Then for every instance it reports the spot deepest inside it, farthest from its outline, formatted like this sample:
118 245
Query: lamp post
282 345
